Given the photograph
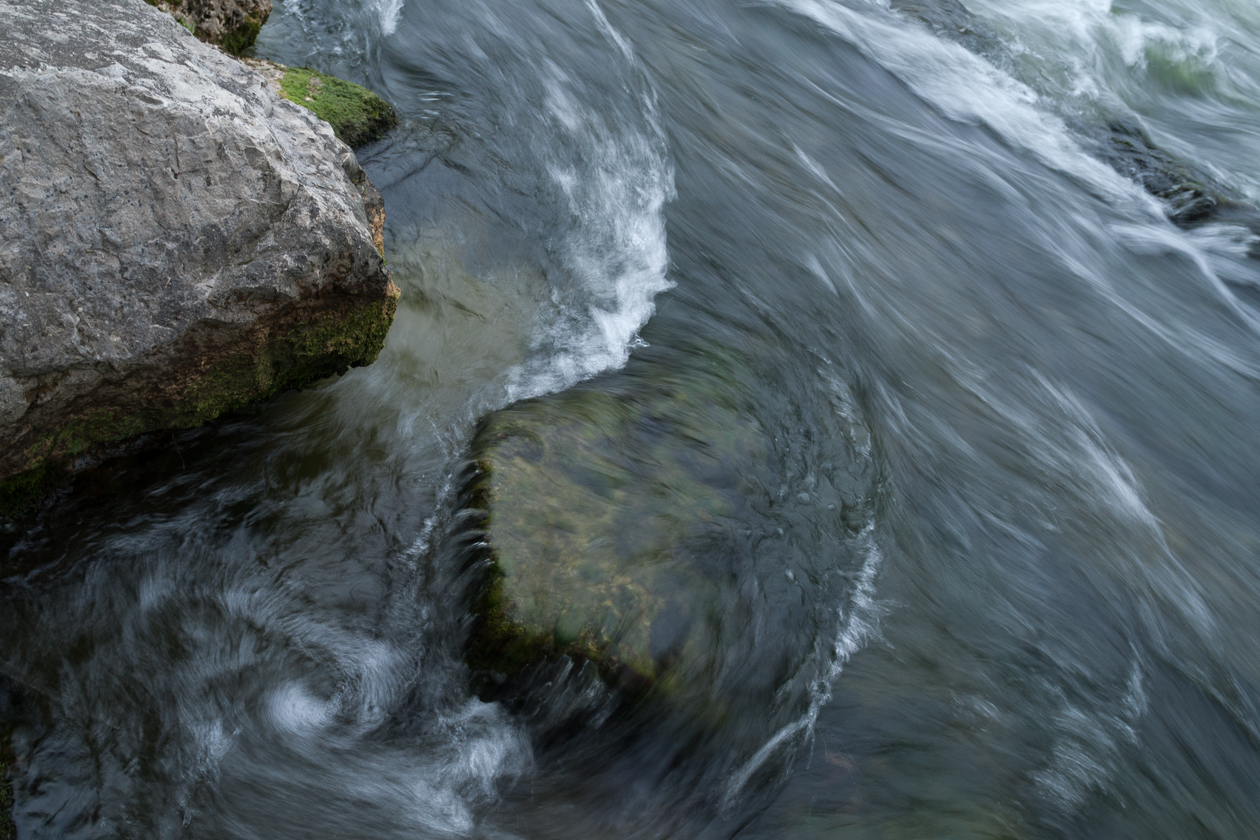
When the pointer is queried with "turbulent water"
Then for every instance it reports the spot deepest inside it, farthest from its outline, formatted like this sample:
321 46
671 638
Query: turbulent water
984 274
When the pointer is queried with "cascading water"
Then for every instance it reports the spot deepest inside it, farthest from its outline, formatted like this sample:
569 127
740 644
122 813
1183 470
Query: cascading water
980 280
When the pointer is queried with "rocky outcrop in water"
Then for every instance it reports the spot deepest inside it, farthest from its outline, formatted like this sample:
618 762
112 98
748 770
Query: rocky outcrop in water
230 24
593 555
632 529
178 241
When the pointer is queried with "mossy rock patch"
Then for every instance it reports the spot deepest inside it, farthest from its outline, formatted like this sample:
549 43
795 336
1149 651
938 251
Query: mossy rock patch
357 115
595 505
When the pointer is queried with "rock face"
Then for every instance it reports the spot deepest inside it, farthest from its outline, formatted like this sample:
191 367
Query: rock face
178 241
231 24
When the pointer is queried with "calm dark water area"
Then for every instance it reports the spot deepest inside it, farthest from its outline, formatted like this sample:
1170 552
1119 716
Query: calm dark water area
995 567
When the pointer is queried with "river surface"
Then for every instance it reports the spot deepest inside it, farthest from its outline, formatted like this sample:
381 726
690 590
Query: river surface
996 573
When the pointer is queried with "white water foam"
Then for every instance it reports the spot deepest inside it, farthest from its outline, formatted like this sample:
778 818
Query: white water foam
434 781
1087 751
616 182
388 13
969 89
857 626
1082 33
1187 71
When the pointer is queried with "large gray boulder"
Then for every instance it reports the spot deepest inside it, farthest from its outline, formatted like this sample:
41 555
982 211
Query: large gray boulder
175 239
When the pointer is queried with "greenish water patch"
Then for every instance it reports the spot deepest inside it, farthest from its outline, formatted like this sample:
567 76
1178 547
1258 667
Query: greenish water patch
356 115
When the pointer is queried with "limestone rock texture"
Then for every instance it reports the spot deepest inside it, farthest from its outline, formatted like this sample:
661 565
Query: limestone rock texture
176 240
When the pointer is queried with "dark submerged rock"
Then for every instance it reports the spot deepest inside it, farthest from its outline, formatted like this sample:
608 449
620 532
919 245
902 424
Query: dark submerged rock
1191 195
178 240
645 550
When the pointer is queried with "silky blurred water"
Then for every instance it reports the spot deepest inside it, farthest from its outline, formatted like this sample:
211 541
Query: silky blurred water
995 572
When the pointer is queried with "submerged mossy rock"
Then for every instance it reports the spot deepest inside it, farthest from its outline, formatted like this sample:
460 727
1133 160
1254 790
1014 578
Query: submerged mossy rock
231 24
593 503
157 285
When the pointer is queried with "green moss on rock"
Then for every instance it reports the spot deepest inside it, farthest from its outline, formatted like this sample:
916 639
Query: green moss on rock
241 37
20 494
305 351
356 115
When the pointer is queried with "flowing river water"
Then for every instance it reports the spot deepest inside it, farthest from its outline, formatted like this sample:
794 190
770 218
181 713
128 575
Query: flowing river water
985 277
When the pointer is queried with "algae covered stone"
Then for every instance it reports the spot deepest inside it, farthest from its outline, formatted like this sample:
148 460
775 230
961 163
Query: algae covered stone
595 505
356 115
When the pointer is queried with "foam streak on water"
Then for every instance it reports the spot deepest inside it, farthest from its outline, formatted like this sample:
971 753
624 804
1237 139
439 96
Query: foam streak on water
858 624
968 88
616 183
